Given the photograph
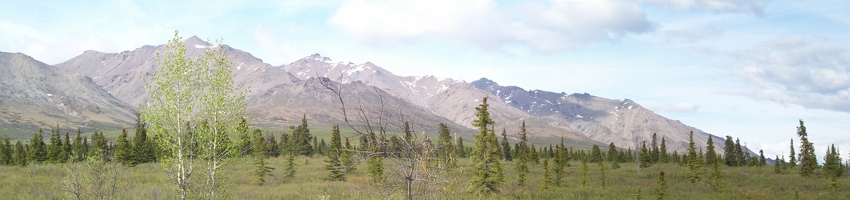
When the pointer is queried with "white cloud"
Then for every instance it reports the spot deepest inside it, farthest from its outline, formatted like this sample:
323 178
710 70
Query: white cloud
798 70
743 6
680 107
540 26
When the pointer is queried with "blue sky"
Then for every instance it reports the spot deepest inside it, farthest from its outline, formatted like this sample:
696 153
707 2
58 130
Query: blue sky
745 68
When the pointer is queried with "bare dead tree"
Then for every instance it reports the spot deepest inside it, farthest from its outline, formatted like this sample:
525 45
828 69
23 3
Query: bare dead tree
411 170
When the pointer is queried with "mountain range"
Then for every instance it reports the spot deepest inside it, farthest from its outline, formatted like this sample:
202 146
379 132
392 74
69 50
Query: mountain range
280 95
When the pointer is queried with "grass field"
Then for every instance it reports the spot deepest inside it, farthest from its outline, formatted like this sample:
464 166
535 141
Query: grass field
147 181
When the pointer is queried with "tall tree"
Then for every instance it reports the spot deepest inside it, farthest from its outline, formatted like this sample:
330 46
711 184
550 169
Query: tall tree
762 160
662 186
186 91
654 153
124 151
547 180
484 160
792 160
262 169
445 148
54 149
729 153
67 150
693 163
739 153
506 147
333 161
808 160
79 150
522 156
596 154
20 156
302 138
710 155
37 148
460 148
663 150
347 158
142 148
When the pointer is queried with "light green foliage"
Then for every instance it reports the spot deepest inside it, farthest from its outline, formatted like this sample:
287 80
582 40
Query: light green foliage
333 161
191 91
289 172
376 169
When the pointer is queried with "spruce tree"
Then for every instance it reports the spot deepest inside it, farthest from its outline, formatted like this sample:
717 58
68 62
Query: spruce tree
654 153
547 180
445 148
347 157
142 148
762 160
693 163
484 160
376 169
67 149
715 176
777 166
79 151
596 154
808 160
558 169
663 150
583 178
333 161
522 156
729 152
5 155
710 155
792 160
20 157
124 151
272 146
37 149
662 186
602 173
739 154
533 153
302 138
506 147
289 171
262 169
460 149
54 149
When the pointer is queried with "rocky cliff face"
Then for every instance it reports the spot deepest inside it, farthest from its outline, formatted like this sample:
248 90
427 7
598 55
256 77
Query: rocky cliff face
36 95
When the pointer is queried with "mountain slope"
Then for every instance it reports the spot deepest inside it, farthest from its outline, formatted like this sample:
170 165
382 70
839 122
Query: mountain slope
36 95
623 122
123 74
448 98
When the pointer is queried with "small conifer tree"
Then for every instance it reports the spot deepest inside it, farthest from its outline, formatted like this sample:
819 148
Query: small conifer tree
547 180
662 186
260 162
333 161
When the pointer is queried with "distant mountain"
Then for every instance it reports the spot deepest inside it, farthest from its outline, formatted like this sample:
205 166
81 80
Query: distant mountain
122 74
448 98
36 95
280 95
623 122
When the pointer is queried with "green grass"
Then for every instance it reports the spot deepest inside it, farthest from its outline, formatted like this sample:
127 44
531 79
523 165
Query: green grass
147 181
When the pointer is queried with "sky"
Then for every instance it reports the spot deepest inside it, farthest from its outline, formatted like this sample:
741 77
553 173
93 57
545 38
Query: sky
745 68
